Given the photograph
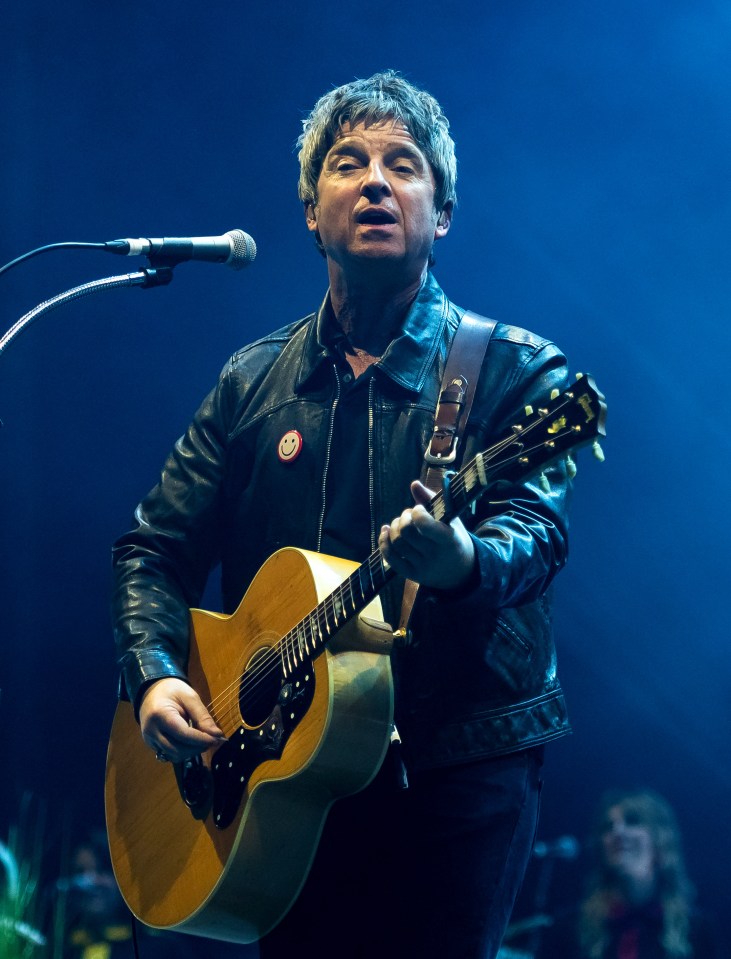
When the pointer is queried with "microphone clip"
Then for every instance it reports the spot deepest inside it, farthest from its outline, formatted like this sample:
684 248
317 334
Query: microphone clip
157 274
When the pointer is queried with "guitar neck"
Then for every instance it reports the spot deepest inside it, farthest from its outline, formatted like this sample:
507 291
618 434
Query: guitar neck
311 635
569 420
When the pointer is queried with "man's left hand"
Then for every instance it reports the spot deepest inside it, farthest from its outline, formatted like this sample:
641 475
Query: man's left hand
421 548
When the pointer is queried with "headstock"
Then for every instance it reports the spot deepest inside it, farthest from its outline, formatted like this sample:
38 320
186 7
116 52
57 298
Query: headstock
569 419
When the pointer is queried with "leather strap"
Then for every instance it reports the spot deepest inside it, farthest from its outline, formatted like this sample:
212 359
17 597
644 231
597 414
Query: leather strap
457 391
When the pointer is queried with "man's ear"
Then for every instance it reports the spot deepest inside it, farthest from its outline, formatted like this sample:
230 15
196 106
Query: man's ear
310 215
444 221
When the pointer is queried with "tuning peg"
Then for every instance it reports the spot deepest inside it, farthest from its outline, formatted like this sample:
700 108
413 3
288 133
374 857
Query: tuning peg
555 394
597 451
529 411
543 483
570 467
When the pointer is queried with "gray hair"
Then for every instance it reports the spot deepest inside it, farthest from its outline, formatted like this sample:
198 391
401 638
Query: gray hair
383 96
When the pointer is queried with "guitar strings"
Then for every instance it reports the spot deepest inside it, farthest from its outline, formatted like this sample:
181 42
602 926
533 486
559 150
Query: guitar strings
289 648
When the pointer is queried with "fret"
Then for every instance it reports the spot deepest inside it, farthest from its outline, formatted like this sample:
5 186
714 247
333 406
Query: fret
283 649
349 584
375 573
470 478
331 608
337 606
307 631
384 574
301 641
362 584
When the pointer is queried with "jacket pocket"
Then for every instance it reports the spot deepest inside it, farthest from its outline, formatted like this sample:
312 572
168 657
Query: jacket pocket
513 637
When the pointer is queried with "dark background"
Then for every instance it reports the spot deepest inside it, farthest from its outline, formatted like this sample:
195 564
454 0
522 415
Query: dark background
593 142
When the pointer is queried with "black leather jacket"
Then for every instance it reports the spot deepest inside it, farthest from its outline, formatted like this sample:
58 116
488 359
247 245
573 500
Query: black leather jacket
479 678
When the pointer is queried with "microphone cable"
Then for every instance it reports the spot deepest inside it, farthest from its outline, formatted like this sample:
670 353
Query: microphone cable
51 246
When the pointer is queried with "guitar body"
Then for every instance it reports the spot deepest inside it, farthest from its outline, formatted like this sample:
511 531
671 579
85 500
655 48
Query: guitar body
177 869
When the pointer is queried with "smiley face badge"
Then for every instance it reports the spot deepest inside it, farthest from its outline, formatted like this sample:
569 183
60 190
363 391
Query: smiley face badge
290 446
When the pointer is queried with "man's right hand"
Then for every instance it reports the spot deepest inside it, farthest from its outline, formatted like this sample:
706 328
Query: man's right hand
174 722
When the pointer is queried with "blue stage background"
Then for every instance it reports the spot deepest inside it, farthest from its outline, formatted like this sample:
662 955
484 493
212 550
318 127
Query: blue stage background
593 143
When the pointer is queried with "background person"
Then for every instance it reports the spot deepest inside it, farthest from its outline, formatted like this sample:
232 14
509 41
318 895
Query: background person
639 902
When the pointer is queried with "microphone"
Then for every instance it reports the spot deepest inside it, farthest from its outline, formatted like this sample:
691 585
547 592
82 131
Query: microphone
235 248
81 881
565 847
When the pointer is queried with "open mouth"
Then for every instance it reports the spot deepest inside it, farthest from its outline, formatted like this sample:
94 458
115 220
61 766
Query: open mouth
376 217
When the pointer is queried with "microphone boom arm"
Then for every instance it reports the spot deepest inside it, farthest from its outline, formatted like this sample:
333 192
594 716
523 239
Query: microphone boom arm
159 276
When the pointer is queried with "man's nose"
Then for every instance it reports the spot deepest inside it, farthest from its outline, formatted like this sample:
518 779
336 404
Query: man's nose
375 181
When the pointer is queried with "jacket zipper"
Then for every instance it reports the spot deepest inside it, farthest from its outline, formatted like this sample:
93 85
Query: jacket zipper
371 482
327 457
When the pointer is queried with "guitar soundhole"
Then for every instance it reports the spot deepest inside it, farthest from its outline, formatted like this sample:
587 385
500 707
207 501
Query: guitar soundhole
260 685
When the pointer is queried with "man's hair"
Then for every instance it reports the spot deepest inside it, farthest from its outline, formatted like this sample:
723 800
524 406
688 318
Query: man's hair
384 96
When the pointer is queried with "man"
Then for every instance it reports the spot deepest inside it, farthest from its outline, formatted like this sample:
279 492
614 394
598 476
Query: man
311 439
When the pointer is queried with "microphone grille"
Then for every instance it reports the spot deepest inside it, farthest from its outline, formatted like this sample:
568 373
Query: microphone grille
243 249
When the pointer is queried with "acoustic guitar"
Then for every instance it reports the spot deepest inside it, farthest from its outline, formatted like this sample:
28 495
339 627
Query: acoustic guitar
299 680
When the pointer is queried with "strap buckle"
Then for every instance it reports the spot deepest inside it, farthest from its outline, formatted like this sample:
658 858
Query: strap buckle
442 449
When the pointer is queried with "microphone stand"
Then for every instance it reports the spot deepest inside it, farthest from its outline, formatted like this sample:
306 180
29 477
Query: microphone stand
152 276
540 898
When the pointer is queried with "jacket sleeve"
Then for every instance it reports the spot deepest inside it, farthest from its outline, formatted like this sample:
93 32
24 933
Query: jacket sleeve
520 529
161 565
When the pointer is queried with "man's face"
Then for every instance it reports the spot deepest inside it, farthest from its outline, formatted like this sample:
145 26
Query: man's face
376 199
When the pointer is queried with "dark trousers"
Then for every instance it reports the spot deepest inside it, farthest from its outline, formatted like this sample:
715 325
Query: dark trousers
429 872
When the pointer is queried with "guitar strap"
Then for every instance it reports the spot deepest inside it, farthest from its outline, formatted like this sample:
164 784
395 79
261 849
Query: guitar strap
456 394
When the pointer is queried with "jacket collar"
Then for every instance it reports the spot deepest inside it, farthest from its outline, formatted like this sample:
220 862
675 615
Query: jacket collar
408 357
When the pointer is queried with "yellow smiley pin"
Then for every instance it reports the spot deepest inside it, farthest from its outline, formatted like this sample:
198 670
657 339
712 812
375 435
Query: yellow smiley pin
290 446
